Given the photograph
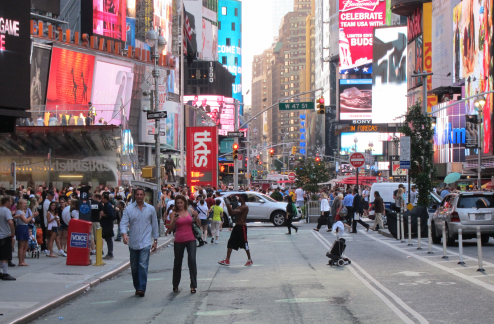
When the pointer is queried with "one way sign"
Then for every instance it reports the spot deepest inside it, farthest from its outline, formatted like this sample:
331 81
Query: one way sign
157 115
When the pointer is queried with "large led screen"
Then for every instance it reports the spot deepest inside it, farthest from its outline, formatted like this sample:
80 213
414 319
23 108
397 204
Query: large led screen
357 20
109 18
220 109
15 48
163 13
40 67
389 77
71 81
112 91
364 141
355 99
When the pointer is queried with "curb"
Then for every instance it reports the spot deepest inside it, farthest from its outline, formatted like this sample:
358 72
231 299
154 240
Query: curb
45 308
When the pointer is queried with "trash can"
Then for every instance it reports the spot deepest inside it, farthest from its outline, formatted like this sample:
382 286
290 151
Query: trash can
78 244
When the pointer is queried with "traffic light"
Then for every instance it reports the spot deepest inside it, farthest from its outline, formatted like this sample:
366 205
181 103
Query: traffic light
271 152
320 106
294 150
235 151
258 158
318 159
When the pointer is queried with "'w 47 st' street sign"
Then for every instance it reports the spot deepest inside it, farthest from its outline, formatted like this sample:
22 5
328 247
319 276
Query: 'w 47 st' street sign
296 105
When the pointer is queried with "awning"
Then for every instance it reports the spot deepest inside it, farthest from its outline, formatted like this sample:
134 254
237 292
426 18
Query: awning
285 181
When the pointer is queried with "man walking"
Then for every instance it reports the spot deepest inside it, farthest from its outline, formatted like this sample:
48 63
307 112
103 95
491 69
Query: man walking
299 193
348 203
140 220
238 237
7 233
379 211
106 221
358 211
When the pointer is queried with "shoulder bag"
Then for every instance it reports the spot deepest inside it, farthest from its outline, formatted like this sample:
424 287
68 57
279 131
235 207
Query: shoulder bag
196 230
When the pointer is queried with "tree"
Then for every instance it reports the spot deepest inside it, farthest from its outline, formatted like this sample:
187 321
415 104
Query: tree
276 195
310 173
422 170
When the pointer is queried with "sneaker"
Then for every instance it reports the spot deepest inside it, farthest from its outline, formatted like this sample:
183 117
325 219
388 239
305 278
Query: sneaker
216 242
225 262
92 253
46 252
62 253
108 257
249 263
212 240
7 277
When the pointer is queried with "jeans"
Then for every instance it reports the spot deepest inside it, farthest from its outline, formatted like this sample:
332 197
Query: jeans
349 217
139 262
289 224
179 249
323 219
109 244
119 235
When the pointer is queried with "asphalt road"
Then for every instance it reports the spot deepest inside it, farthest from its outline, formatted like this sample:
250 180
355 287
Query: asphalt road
290 282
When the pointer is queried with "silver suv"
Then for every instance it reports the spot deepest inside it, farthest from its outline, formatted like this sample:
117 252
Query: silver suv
263 208
470 209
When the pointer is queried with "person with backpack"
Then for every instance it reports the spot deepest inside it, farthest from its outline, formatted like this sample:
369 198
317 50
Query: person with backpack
291 211
106 222
202 209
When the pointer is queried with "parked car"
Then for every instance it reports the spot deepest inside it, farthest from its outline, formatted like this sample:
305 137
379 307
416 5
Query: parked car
263 208
470 209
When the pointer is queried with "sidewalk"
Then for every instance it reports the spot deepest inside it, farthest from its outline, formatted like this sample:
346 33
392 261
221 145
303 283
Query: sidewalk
48 282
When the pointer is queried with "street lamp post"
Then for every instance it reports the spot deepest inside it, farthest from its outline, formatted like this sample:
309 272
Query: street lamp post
157 43
479 103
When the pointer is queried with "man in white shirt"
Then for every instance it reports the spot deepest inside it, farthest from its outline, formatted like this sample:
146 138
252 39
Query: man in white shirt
40 121
299 195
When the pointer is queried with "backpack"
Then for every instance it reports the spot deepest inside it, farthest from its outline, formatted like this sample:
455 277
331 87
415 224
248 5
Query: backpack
294 210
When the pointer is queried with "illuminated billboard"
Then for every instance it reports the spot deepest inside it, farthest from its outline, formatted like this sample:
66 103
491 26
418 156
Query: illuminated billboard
230 42
169 127
112 90
363 141
355 99
389 77
15 50
220 109
163 12
40 67
71 80
202 156
357 20
109 18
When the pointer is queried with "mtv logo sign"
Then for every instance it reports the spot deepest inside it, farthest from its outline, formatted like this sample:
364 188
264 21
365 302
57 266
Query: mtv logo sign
79 240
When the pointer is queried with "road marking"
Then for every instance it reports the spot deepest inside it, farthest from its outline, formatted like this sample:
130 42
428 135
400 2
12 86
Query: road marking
224 312
475 267
127 291
388 302
302 300
439 266
104 302
410 273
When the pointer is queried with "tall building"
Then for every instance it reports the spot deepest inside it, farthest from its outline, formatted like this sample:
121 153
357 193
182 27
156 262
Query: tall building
278 9
230 41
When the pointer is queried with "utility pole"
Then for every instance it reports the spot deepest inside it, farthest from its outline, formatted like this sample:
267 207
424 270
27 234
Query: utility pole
248 156
235 162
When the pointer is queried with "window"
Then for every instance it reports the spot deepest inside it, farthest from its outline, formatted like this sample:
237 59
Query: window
236 12
228 42
236 61
223 60
233 26
239 43
219 25
223 11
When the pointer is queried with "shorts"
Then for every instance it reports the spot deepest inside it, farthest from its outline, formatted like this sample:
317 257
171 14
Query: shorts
299 203
54 229
94 227
6 248
204 222
366 205
63 227
238 238
22 233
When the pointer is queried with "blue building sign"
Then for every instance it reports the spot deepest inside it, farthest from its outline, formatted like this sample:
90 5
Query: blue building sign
450 133
230 42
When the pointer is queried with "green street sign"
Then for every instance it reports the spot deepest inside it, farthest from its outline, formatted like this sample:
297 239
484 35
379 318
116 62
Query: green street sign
296 105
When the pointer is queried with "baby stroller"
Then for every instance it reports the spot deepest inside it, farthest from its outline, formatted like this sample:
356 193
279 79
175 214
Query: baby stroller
336 253
33 245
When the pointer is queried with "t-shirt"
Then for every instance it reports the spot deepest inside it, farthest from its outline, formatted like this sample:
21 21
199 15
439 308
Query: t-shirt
202 210
366 192
217 210
169 203
210 202
19 221
222 204
300 194
96 208
66 215
46 204
5 216
378 205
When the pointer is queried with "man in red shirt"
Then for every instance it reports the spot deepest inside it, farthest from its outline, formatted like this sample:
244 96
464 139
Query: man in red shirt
210 200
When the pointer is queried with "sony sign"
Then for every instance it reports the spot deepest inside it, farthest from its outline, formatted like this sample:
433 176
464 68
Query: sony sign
361 122
202 156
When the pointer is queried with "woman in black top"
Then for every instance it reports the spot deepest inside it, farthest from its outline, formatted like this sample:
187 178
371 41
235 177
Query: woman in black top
290 212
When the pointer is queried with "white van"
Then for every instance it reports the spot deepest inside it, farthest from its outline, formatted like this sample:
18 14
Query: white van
386 190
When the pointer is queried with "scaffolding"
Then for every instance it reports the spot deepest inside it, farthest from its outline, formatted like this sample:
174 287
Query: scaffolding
144 18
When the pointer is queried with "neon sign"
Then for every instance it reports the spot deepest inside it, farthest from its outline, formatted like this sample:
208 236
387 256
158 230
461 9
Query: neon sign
450 136
7 27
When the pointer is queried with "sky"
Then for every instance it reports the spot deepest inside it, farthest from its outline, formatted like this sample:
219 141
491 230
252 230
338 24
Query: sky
257 35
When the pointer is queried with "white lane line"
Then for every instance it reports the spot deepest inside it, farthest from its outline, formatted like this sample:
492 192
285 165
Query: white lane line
388 302
439 266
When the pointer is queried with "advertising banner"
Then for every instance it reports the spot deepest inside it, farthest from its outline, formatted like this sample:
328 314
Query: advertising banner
355 99
220 109
202 156
131 32
362 141
112 91
40 67
163 20
414 61
442 34
357 20
169 127
109 18
15 49
209 49
427 33
453 133
71 80
389 78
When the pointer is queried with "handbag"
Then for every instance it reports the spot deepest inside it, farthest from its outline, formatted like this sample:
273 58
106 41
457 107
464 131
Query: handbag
196 230
343 212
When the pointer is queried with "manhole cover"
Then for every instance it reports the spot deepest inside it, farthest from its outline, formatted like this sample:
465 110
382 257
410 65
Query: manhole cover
69 274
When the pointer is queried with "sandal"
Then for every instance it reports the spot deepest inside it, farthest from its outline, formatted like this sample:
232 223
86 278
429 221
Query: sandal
192 290
175 289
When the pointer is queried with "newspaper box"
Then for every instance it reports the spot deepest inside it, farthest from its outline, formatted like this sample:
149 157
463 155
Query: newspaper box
78 242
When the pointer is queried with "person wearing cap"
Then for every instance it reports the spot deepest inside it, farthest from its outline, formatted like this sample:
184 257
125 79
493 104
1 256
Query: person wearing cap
71 189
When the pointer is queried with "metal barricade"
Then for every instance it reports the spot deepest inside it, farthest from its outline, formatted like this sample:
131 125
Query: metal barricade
312 211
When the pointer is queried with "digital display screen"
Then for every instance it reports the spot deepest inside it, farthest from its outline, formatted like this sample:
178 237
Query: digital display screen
201 176
220 109
363 141
109 18
355 99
